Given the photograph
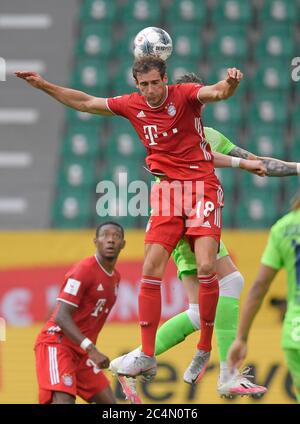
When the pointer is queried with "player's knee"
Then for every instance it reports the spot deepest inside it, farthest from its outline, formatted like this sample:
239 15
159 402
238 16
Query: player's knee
153 267
194 315
232 285
206 267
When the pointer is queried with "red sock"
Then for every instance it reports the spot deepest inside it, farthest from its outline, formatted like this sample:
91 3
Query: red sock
208 300
149 312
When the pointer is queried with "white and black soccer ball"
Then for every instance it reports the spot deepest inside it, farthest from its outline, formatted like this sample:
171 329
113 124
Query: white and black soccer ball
152 41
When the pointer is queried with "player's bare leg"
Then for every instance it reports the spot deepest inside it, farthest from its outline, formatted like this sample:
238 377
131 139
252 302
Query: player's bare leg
206 249
144 362
62 398
106 396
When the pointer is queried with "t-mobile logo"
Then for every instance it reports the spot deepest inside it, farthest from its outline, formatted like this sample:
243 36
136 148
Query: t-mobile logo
149 134
2 69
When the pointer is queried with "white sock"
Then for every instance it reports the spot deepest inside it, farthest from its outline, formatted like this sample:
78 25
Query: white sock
225 373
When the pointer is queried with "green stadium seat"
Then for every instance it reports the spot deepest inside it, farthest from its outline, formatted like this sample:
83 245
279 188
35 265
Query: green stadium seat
296 123
267 140
95 41
186 11
218 70
268 109
256 184
124 142
232 11
98 11
276 42
279 11
226 112
81 142
227 178
72 209
77 173
117 184
122 172
291 187
91 75
229 42
123 81
270 76
257 209
176 67
187 42
141 11
227 217
75 117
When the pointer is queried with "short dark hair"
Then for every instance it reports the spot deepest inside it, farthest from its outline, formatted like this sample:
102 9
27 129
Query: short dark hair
147 64
109 223
189 77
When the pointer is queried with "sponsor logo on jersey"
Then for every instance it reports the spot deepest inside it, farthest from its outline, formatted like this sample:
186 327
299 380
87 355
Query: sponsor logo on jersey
53 329
100 287
67 380
171 109
72 286
141 114
206 224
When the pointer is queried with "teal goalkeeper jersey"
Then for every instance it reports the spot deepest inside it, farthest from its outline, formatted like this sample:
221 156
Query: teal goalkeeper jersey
283 251
218 142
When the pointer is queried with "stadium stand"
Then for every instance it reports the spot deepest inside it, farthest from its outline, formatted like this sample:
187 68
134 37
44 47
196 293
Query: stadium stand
38 36
208 36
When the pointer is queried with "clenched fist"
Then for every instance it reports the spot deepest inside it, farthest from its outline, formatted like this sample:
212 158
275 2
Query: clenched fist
234 76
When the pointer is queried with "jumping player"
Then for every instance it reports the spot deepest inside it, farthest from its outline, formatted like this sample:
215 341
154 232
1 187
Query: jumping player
168 122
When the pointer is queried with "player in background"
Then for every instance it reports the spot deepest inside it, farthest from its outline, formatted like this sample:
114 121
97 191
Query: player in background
167 119
67 361
176 329
282 251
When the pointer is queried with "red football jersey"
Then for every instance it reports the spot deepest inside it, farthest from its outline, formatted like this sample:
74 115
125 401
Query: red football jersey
172 132
93 291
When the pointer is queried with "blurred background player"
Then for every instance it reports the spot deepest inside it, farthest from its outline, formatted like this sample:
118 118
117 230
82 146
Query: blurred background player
168 122
282 251
67 360
231 282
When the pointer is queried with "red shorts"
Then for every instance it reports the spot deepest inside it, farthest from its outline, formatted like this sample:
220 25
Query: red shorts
178 208
59 369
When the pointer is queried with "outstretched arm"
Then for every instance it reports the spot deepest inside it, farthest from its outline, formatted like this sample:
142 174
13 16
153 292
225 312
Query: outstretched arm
73 98
238 350
274 167
225 161
222 89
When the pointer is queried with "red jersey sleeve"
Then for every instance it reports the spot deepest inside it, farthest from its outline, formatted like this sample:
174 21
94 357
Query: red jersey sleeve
190 91
74 286
119 104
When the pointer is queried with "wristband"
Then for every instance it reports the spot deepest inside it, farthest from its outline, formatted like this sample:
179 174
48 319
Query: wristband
85 343
298 168
235 162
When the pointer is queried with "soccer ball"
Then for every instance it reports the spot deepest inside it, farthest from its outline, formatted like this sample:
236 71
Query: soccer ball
152 41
